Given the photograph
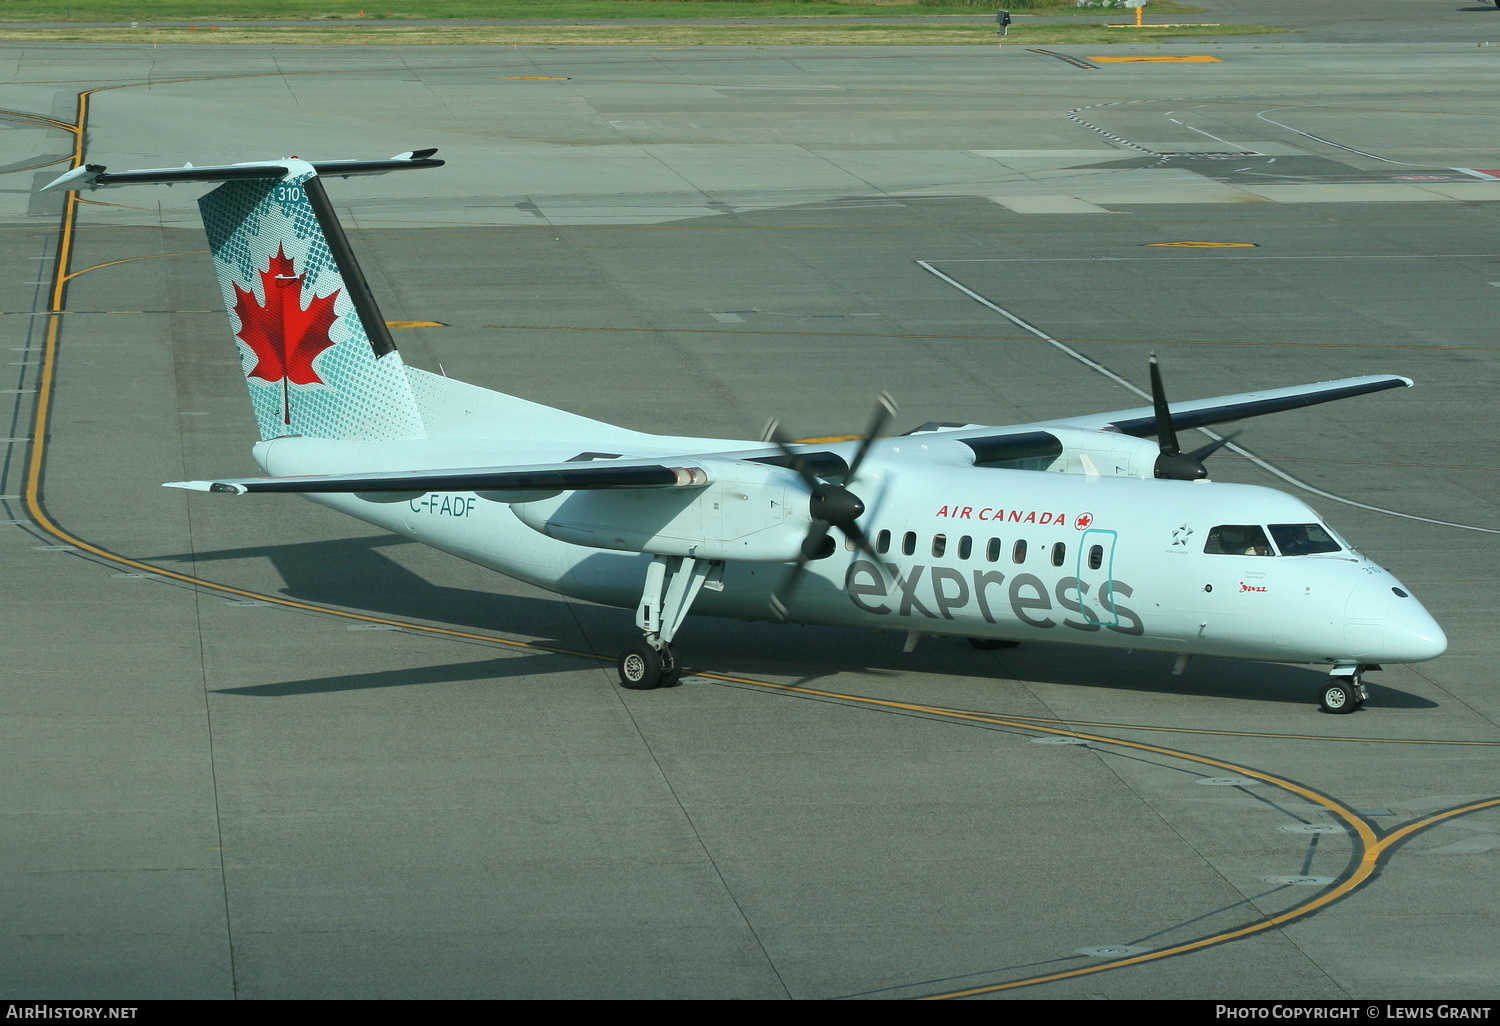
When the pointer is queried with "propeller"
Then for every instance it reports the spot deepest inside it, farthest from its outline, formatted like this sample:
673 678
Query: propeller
830 505
1173 464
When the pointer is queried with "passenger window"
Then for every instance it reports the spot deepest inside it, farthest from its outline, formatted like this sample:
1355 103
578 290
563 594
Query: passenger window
1059 553
1096 556
939 545
965 547
909 543
1237 540
1018 551
883 542
1303 539
992 550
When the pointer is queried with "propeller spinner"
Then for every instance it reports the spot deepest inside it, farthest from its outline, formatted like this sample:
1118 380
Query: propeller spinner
830 505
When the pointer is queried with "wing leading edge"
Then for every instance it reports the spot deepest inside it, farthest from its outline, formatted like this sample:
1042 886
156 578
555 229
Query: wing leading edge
1221 409
544 478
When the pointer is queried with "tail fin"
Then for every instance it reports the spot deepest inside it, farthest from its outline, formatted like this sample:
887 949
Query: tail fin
317 356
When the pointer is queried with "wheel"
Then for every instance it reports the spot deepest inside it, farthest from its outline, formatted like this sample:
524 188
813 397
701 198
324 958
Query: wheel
1339 696
641 667
985 644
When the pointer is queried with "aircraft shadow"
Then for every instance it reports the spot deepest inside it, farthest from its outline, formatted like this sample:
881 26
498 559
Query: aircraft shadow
446 673
823 653
353 573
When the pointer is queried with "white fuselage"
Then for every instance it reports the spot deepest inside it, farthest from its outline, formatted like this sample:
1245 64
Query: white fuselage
1113 562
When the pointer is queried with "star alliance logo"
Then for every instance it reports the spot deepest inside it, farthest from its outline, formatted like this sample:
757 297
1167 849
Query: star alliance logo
1181 535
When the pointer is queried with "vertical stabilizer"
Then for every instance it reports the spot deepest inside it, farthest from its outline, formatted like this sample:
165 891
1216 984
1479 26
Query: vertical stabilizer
318 359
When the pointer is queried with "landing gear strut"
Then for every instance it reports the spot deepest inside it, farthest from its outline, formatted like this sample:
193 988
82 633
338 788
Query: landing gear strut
672 583
1345 690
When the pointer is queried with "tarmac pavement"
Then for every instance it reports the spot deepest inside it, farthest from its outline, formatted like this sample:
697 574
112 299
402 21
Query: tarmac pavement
255 750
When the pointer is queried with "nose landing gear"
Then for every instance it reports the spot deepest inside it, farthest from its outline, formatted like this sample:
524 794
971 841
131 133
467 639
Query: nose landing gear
1345 690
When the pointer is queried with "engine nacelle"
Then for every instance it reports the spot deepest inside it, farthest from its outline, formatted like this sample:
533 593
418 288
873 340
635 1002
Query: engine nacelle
1109 453
747 511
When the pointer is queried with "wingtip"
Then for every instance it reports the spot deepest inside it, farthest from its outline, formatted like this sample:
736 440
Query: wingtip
206 486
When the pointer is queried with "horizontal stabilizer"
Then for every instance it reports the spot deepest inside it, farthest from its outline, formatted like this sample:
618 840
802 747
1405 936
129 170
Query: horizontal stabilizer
1202 412
549 478
97 176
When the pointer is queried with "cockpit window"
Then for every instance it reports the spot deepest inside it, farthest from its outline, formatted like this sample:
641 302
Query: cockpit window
1238 540
1303 539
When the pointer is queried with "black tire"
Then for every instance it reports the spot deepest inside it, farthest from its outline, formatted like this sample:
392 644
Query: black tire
641 667
986 644
1339 696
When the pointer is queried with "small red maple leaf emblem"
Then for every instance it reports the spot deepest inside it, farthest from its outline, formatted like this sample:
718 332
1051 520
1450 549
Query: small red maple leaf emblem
283 336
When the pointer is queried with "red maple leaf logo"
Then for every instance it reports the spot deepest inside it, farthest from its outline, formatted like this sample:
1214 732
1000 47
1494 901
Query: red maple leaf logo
283 336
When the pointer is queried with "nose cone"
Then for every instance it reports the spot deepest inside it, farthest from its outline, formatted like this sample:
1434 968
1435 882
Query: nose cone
1385 624
1411 634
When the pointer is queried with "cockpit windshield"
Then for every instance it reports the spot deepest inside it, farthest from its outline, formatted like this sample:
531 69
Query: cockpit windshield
1251 540
1303 539
1238 540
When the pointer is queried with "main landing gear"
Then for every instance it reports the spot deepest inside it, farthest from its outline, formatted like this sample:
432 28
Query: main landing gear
672 583
1345 690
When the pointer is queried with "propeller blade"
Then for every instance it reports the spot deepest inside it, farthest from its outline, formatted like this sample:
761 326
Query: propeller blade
813 547
795 460
862 543
1173 464
885 409
1166 434
829 505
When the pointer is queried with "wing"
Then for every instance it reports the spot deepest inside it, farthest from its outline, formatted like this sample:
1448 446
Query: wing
1220 409
533 481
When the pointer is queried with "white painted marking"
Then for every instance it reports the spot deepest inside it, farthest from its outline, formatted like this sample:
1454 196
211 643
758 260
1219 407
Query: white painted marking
1049 203
1200 131
1110 951
1330 142
1299 881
